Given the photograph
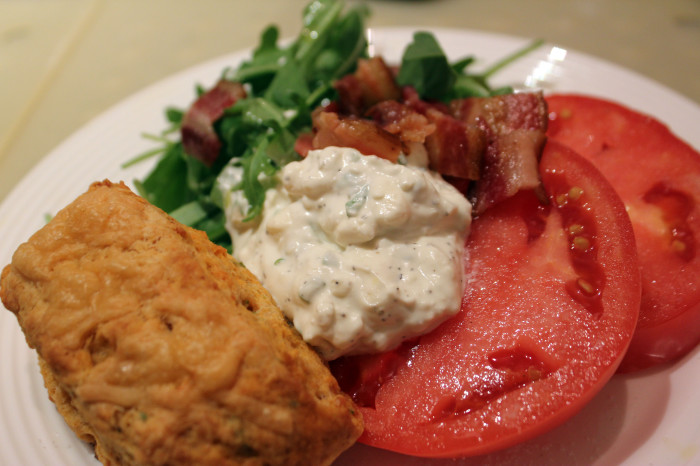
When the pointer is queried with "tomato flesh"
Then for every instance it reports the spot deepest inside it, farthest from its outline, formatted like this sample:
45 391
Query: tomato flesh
551 303
658 178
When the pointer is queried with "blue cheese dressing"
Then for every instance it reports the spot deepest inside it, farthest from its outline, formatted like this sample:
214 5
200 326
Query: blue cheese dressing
360 253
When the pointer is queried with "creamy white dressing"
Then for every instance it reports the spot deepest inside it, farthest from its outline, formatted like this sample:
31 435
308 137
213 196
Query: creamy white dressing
359 252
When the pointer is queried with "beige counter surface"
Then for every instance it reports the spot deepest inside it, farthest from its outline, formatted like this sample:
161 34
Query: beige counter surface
63 62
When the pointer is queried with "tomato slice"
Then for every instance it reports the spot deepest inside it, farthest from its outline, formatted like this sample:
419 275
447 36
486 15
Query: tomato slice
658 178
551 304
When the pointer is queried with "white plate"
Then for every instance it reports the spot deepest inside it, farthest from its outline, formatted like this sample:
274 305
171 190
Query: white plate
651 418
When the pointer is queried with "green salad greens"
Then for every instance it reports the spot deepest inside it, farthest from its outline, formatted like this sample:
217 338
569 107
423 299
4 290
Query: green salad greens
284 84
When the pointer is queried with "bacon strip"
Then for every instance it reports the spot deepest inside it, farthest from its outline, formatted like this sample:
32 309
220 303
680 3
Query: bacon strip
331 129
372 82
400 119
454 149
514 126
198 136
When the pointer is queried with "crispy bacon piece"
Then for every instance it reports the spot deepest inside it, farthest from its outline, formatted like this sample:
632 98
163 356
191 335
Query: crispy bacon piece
514 126
331 129
304 143
454 147
198 136
411 98
400 119
525 110
372 82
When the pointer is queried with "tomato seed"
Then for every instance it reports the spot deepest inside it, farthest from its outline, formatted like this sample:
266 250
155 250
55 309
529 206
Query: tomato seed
575 193
678 246
575 229
581 243
585 286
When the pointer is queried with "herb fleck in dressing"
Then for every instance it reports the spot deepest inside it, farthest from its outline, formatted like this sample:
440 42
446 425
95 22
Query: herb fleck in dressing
359 252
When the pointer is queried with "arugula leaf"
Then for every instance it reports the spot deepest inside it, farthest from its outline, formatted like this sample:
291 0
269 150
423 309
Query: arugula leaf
166 185
347 43
257 178
190 213
261 68
174 116
505 61
319 18
425 67
288 86
215 228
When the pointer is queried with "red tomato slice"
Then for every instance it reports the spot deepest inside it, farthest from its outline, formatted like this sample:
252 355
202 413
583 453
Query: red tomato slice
550 307
658 178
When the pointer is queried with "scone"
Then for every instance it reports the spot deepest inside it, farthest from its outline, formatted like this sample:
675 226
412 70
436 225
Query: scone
159 348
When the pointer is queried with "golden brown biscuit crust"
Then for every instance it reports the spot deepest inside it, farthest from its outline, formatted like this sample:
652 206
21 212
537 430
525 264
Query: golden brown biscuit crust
162 349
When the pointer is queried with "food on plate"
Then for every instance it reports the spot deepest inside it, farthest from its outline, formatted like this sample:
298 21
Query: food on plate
268 122
658 177
373 236
361 253
159 348
553 288
252 116
489 146
550 305
199 138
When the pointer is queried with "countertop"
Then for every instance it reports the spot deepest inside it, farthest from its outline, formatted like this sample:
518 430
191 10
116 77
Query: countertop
63 62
